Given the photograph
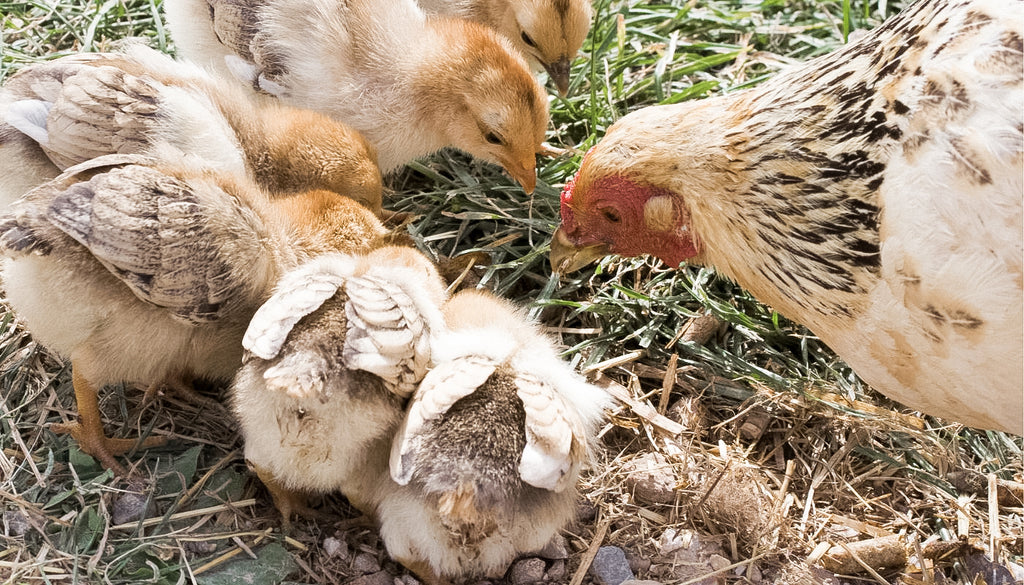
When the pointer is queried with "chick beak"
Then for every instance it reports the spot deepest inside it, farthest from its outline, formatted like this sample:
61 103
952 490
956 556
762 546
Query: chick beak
559 73
567 257
524 172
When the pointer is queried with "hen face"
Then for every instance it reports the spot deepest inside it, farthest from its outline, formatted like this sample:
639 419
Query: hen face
508 114
551 32
608 213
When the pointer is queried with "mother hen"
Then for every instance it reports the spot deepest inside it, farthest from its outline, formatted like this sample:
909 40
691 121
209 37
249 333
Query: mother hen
873 194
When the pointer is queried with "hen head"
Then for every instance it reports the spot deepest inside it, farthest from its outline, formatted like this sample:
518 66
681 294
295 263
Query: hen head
550 32
638 190
609 213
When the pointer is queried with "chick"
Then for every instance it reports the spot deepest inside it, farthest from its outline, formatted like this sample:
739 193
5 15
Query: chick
484 465
548 33
332 358
63 112
412 84
148 271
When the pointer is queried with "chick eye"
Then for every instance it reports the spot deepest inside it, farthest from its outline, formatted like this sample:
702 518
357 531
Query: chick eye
526 39
611 215
493 138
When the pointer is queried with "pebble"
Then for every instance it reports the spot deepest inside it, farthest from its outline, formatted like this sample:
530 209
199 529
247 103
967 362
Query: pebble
130 506
637 563
557 572
378 578
610 566
639 582
366 563
651 479
527 571
586 513
554 549
718 562
335 547
406 580
17 523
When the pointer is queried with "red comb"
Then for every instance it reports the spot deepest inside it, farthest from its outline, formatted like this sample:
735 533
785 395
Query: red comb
571 183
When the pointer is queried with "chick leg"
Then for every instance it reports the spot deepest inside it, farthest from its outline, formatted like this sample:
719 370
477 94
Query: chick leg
287 501
88 430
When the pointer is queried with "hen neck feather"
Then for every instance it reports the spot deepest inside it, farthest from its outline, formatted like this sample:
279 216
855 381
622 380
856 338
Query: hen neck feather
796 220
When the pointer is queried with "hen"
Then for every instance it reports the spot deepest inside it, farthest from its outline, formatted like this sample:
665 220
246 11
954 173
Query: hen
148 271
487 458
547 32
412 84
332 357
873 194
67 111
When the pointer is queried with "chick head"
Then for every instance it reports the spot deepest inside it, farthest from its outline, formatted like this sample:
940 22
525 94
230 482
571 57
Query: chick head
550 32
316 152
502 112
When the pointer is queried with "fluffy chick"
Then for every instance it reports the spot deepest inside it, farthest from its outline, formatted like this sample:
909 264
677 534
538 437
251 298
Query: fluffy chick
332 357
69 110
873 195
548 33
148 271
485 463
412 84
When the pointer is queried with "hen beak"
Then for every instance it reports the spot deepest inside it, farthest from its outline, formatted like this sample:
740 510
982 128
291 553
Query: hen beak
524 172
559 73
566 257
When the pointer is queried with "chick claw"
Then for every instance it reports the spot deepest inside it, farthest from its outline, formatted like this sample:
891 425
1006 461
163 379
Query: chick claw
93 442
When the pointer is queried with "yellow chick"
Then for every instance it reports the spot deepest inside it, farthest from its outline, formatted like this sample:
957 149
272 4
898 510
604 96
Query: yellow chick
411 84
332 358
485 463
548 33
64 112
149 271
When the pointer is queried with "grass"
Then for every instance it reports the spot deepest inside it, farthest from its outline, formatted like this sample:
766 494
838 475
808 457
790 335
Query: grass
825 453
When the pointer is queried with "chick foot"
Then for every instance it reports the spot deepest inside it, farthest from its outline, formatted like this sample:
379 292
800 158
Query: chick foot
88 431
286 500
181 387
93 441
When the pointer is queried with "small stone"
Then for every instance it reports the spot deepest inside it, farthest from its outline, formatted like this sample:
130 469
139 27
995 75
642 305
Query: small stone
651 479
16 522
610 566
335 547
199 547
406 580
365 564
673 540
527 571
130 505
586 513
637 563
639 582
688 412
378 578
718 562
556 572
754 574
554 549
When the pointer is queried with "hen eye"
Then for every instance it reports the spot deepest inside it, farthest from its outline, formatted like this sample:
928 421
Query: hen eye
493 138
611 215
526 39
